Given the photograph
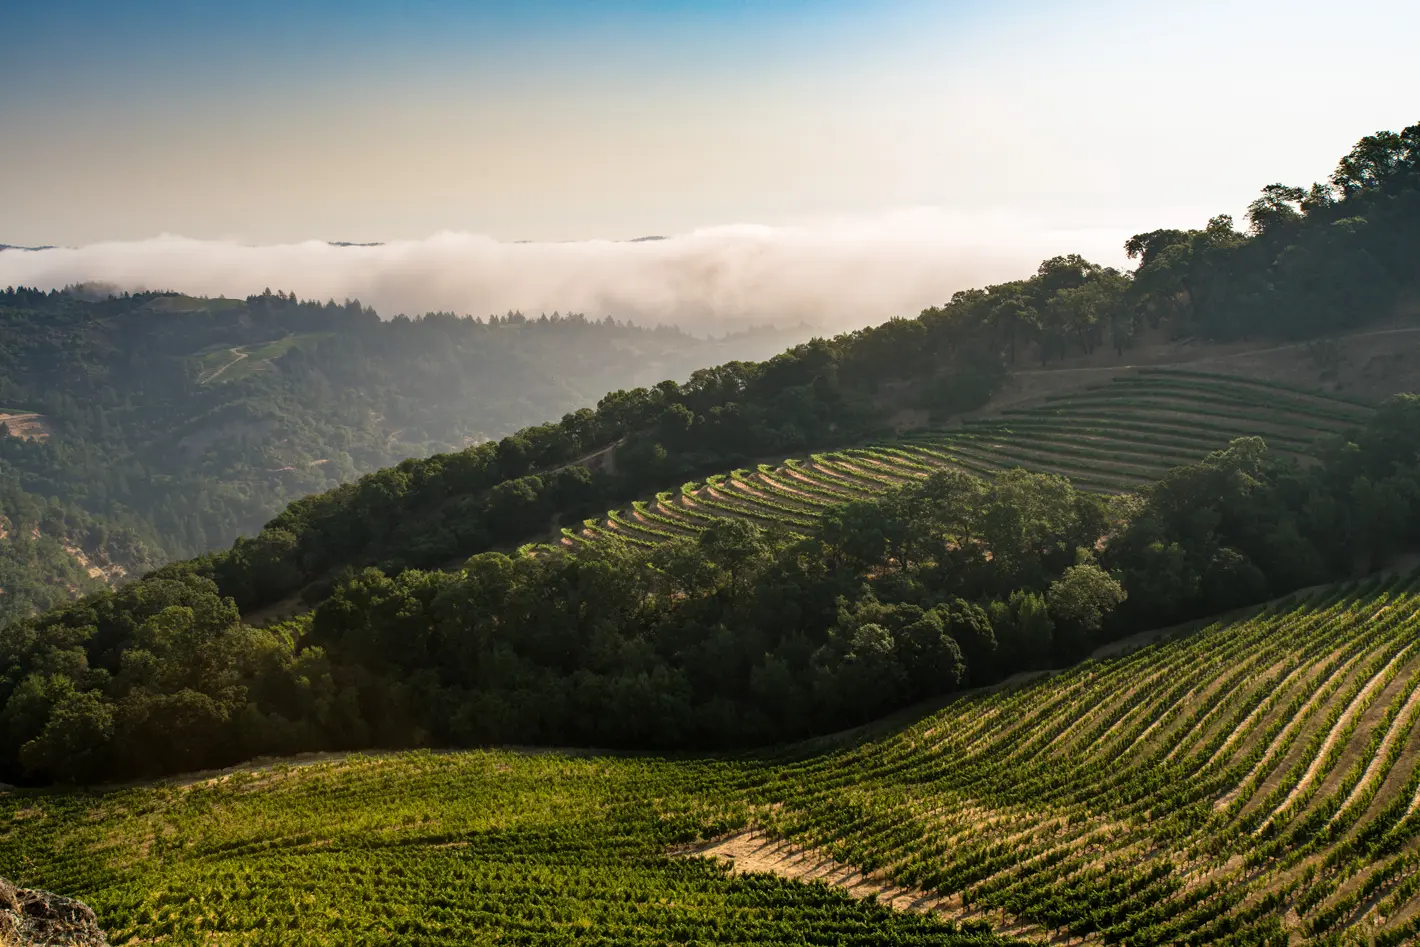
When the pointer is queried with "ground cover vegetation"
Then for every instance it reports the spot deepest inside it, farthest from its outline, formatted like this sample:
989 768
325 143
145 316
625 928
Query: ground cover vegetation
1253 780
686 642
153 427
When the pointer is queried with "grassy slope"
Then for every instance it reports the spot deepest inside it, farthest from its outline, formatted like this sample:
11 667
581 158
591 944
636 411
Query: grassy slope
1109 438
231 364
1257 778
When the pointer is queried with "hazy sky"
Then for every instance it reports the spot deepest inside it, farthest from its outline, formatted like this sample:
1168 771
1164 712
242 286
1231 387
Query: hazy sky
277 122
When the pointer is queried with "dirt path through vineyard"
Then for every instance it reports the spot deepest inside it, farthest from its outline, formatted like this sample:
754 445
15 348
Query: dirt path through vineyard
753 852
239 355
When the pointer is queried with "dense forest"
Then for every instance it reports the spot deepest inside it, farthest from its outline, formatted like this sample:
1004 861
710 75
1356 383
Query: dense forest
155 426
742 636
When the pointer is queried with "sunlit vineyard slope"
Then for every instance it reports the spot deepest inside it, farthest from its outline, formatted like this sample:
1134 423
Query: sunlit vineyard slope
1251 782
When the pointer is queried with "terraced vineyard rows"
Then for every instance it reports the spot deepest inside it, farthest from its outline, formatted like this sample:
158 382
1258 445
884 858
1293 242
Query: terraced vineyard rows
1112 438
1254 782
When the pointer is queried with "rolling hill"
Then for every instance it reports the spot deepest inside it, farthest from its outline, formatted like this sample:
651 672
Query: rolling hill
1252 780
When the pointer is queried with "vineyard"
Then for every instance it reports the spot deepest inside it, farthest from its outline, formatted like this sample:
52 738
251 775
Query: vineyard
1254 781
1110 439
434 850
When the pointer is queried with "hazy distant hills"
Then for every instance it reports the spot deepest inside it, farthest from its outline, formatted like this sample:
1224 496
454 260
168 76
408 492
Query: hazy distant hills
158 425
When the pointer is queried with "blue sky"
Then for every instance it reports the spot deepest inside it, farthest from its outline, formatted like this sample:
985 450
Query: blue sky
266 121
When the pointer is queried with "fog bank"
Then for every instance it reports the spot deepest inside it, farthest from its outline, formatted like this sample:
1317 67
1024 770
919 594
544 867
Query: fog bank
831 274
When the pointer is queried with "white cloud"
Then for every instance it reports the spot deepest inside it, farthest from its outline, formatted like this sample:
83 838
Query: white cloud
833 274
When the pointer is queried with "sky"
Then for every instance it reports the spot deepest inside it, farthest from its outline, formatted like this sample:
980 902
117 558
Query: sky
918 146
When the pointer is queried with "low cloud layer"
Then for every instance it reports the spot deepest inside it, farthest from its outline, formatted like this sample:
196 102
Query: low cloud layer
833 275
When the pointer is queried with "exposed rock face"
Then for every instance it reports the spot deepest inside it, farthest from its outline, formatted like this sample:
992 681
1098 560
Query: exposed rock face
39 919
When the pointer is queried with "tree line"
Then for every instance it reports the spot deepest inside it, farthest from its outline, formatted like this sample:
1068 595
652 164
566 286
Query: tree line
736 637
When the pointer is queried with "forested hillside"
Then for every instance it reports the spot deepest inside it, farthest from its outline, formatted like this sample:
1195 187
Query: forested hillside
152 427
427 628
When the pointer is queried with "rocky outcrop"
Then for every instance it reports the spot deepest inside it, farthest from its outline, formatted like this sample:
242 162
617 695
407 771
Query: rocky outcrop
39 919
